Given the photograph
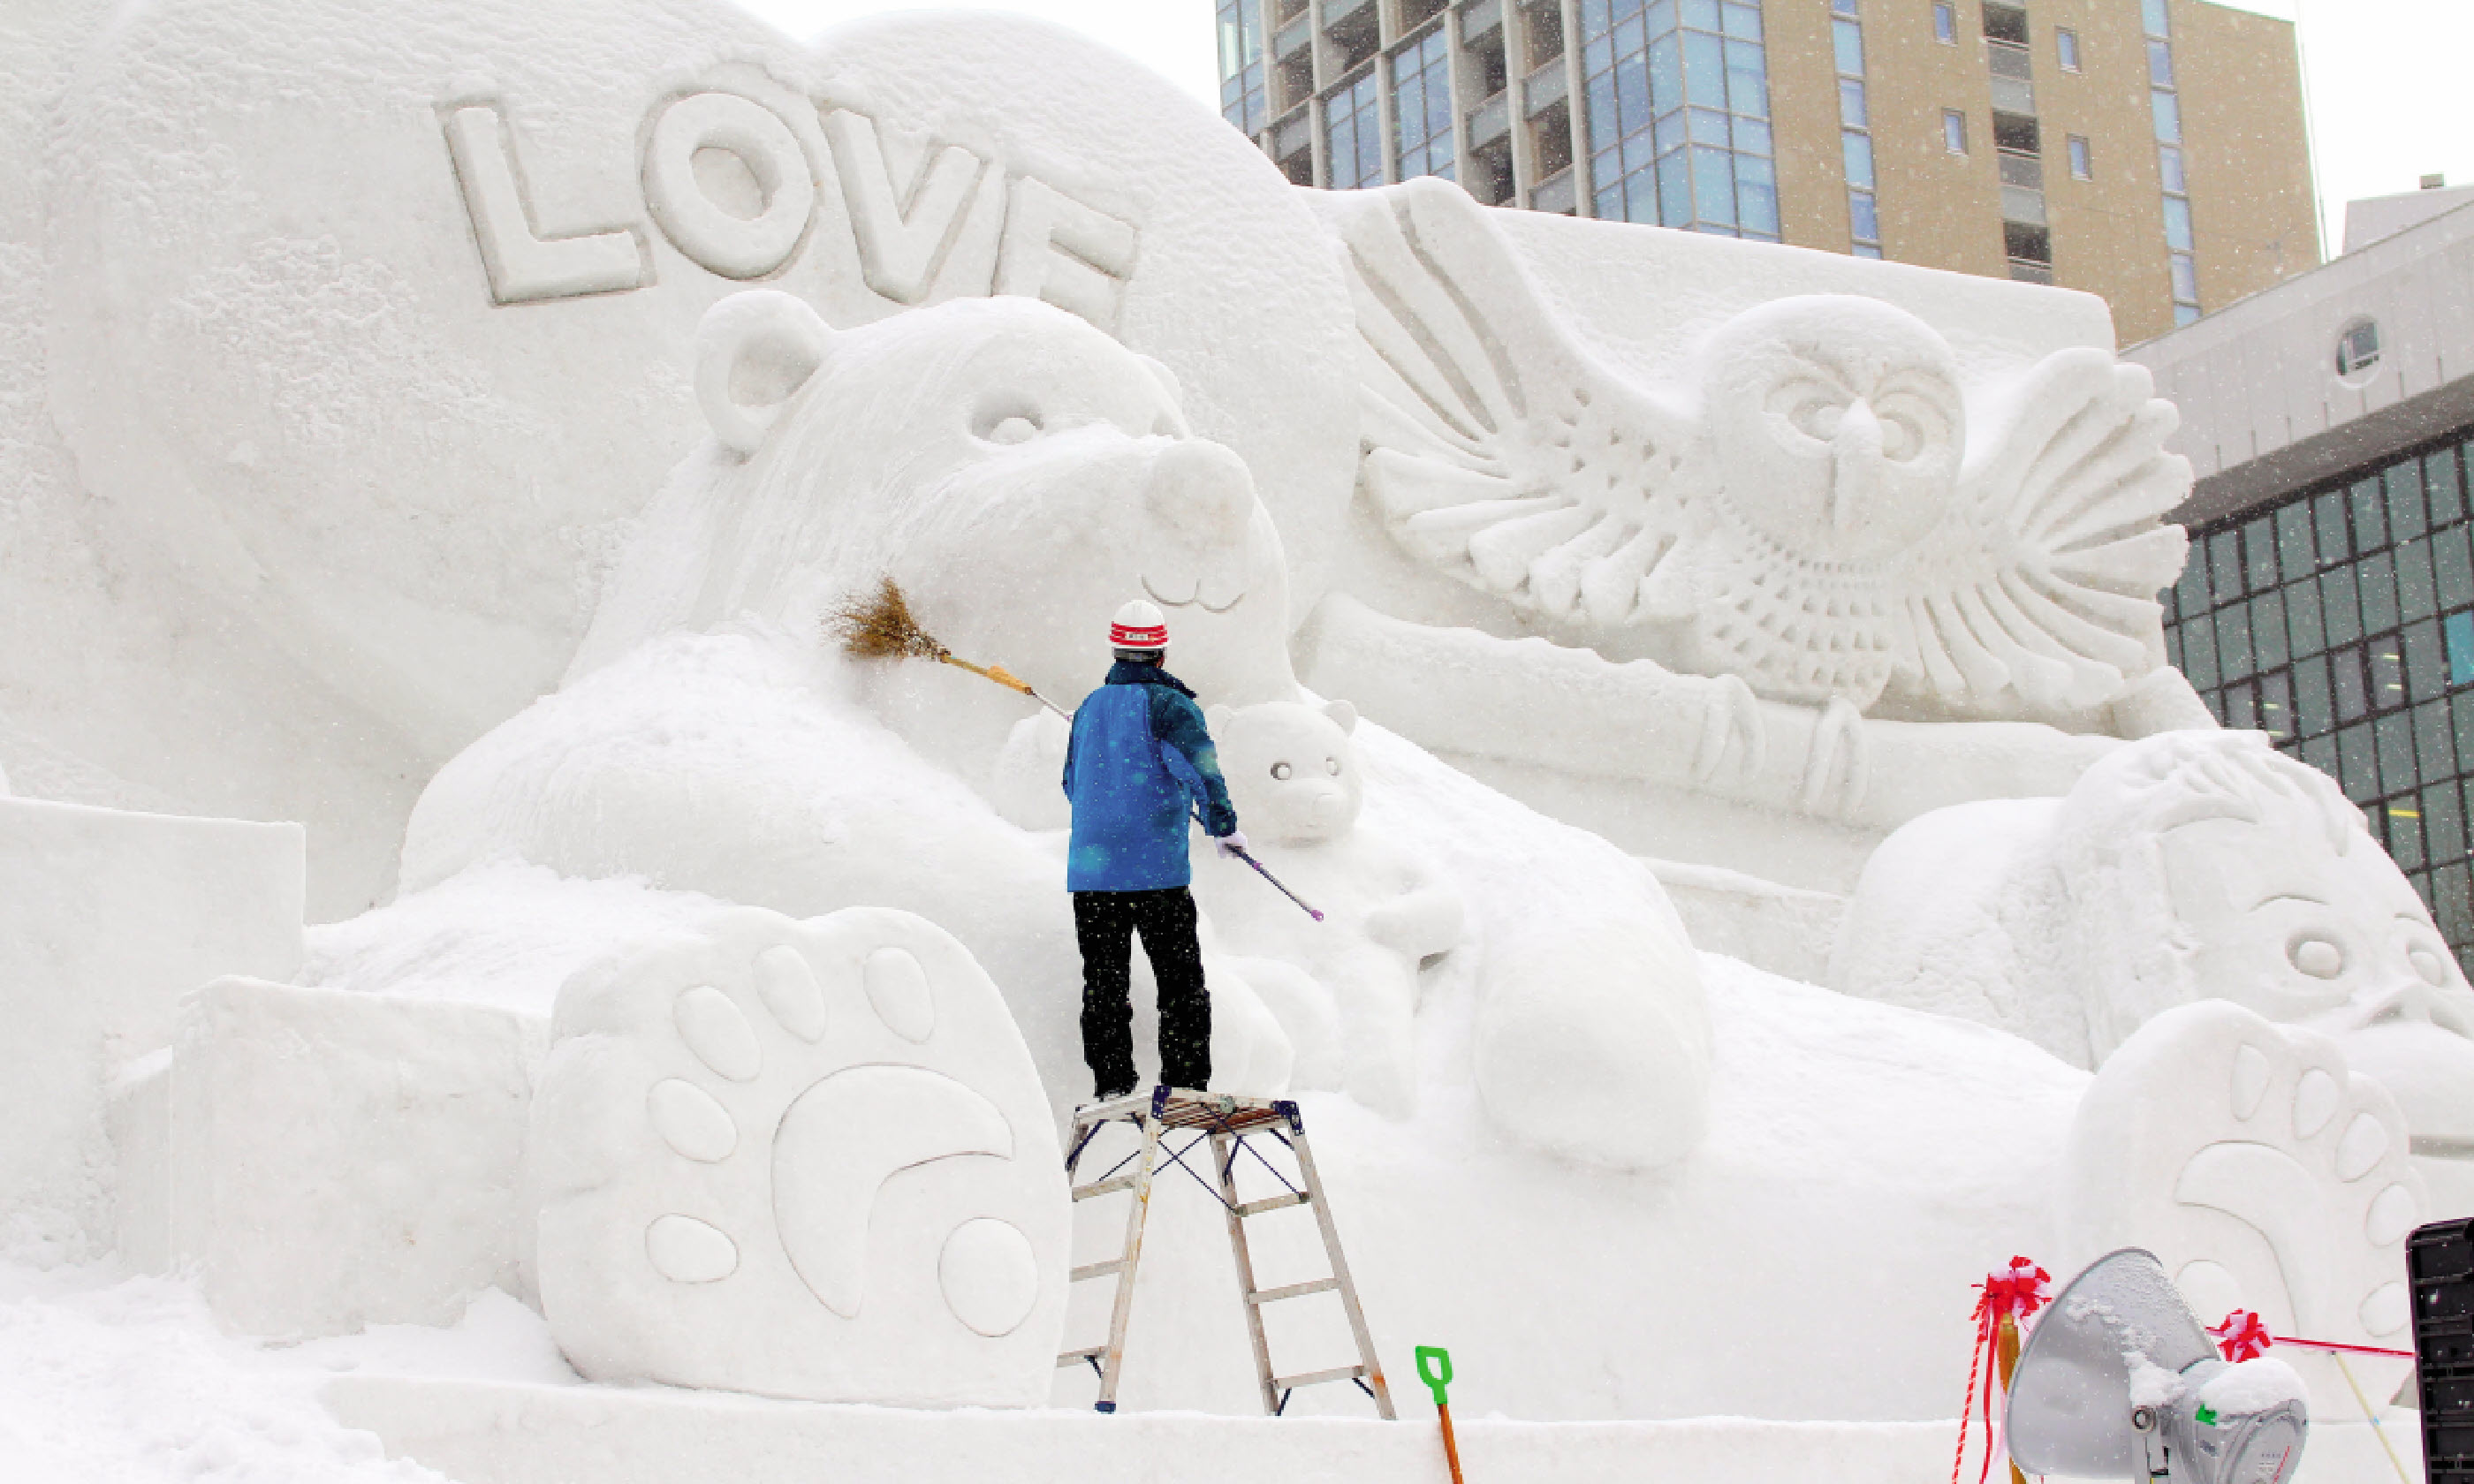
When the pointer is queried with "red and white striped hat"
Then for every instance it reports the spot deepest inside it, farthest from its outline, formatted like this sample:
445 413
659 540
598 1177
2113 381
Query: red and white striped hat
1138 625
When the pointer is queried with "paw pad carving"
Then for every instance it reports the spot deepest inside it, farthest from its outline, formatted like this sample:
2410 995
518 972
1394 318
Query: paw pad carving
804 1158
2259 1169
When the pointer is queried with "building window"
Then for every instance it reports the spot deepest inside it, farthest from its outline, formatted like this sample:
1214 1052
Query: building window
1855 134
1422 105
2066 42
1242 98
1353 135
2005 22
2165 109
2358 348
1945 25
2081 168
1679 114
1953 131
2340 621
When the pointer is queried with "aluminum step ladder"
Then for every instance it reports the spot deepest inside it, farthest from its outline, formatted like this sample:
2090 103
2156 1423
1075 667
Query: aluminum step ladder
1233 1126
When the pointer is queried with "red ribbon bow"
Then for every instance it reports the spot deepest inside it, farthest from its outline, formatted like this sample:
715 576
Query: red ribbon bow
2011 1293
2242 1336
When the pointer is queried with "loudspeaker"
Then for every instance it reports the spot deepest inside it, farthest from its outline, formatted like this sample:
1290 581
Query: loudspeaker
2441 1258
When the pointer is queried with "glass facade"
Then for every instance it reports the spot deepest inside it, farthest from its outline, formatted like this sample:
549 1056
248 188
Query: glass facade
2165 109
2340 622
1856 129
1243 101
1421 104
1354 134
1678 111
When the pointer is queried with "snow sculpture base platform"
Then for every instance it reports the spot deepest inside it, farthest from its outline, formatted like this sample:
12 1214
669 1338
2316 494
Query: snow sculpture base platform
497 1433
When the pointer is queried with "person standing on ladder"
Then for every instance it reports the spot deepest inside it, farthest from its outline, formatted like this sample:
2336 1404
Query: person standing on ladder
1140 764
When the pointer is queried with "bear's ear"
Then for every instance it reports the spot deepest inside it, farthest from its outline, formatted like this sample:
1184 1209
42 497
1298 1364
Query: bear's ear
754 352
1343 716
1217 717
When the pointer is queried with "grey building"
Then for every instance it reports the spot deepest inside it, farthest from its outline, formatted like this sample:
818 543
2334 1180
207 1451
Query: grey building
2329 598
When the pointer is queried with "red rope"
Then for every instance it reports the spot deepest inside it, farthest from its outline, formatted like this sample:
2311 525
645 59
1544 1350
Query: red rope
2245 1336
2014 1292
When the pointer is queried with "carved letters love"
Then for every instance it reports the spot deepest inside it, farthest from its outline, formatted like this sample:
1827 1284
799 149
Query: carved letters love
729 185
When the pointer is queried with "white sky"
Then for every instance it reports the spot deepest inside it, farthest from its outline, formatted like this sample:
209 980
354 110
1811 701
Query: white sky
2388 78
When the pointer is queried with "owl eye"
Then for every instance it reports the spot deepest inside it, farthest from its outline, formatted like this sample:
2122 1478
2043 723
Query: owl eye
1812 408
1331 765
2428 964
1901 439
1281 770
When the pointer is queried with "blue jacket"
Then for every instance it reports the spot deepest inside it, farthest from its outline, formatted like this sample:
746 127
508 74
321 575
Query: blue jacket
1139 760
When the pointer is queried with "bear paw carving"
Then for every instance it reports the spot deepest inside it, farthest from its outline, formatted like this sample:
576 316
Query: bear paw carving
803 1159
2264 1173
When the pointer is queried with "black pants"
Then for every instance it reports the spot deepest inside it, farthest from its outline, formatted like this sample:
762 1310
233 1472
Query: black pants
1105 924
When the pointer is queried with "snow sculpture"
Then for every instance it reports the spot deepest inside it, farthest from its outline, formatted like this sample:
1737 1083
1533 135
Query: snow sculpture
1017 472
805 1159
1811 508
2263 1172
2185 867
376 365
1297 783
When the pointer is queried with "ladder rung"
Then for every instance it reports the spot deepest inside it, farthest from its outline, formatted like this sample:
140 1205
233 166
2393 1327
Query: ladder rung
1075 1358
1318 1378
1275 1203
1293 1291
1097 1188
1097 1270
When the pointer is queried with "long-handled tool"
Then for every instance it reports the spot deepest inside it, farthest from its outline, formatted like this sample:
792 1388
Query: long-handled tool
1435 1368
882 628
1265 872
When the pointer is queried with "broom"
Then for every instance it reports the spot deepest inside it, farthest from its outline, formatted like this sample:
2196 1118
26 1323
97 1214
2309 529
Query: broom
882 628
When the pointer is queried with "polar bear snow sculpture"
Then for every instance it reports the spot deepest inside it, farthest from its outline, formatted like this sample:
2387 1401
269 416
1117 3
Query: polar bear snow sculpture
1295 776
2191 866
1018 473
804 1158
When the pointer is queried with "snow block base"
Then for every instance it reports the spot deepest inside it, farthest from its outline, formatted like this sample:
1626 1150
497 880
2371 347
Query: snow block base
499 1433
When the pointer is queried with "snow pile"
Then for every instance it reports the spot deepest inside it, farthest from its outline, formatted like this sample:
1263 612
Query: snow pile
126 1381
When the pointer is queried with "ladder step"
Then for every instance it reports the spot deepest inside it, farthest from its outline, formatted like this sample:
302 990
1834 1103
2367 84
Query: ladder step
1292 1291
1275 1203
1097 1188
1318 1378
1097 1270
1075 1358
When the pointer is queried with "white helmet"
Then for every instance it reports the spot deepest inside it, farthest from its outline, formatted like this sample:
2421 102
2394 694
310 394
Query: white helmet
1138 625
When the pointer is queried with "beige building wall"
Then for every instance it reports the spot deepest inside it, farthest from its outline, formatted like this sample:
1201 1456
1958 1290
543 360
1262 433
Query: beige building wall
2253 217
2238 74
1940 210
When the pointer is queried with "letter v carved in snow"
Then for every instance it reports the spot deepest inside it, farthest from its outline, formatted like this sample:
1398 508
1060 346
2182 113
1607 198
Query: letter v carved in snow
904 235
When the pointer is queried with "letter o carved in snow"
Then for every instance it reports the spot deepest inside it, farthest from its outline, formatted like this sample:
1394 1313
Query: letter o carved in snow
705 228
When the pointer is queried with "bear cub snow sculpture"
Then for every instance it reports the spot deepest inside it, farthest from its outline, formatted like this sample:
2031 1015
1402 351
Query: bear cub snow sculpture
1294 774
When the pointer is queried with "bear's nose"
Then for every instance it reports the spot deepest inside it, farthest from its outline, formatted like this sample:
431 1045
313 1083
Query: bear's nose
1203 490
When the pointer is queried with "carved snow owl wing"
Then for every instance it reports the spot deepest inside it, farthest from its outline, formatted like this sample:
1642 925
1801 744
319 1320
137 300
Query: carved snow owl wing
1826 526
2041 579
1498 451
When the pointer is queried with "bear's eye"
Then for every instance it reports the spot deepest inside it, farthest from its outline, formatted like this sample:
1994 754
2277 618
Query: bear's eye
1016 429
1331 765
1280 771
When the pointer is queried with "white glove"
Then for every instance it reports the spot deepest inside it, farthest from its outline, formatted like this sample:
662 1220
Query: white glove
1230 843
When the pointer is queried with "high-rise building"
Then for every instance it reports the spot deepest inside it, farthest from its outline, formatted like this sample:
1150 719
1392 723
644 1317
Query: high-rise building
2329 598
2149 151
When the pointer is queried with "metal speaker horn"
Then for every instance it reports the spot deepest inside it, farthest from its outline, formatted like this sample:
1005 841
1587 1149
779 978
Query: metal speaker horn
2119 1382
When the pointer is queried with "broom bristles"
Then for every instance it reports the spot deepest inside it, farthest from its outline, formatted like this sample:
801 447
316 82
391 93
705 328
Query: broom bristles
881 626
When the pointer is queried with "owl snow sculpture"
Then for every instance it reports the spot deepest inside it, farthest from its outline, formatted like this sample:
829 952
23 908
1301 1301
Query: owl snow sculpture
1828 519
